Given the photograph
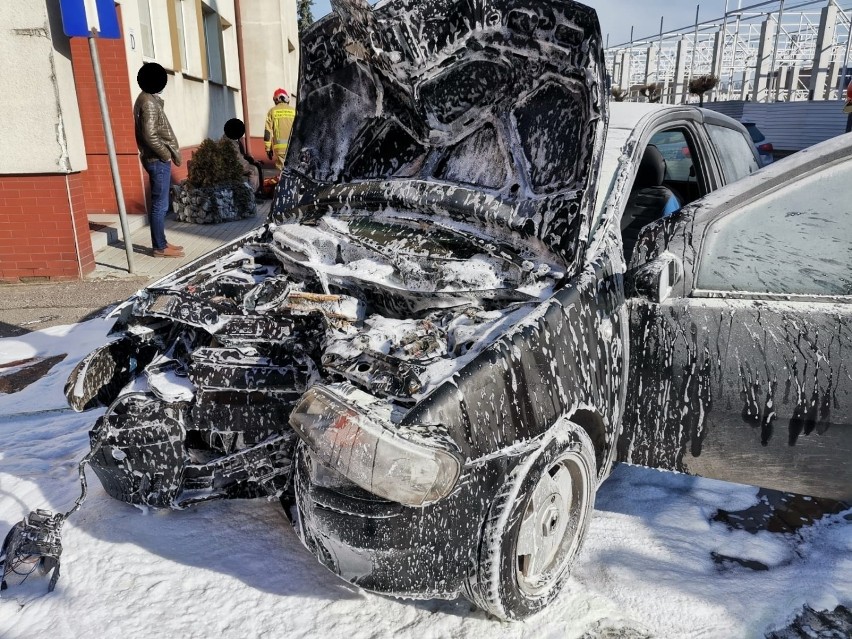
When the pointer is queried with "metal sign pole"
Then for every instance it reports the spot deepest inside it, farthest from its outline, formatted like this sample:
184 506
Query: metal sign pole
772 84
110 143
661 85
629 64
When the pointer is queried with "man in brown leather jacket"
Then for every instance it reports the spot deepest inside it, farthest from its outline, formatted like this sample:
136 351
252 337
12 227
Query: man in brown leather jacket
158 148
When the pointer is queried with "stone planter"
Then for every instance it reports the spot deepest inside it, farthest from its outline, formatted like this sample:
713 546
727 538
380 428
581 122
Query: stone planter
213 204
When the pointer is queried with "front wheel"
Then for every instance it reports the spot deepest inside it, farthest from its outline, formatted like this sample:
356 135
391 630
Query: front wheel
536 526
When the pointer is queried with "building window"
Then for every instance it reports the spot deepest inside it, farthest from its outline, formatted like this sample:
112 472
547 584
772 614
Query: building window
147 32
214 47
180 28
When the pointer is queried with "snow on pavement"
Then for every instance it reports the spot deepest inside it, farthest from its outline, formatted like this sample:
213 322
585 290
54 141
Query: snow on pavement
237 569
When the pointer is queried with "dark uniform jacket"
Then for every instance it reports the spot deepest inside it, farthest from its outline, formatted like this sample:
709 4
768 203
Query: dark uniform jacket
154 135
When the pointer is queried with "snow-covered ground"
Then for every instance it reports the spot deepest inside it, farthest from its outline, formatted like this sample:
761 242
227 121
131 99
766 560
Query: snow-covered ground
236 569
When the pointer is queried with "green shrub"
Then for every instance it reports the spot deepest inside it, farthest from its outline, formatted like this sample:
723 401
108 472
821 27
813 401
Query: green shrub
701 84
214 163
652 92
617 94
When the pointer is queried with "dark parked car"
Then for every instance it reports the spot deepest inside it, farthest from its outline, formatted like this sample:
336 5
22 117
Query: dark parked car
764 147
426 350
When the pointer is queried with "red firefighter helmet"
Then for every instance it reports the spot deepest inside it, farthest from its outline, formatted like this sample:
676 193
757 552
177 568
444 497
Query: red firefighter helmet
280 94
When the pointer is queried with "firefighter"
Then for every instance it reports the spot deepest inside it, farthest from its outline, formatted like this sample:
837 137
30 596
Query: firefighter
279 124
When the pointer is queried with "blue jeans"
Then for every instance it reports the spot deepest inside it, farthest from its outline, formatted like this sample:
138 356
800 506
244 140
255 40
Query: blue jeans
161 178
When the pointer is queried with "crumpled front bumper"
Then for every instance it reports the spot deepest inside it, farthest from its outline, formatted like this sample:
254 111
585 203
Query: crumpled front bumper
389 548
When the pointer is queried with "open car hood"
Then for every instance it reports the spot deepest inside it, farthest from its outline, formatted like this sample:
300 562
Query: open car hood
490 112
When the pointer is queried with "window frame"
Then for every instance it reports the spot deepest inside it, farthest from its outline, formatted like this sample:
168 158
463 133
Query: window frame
181 56
704 178
689 142
612 194
210 19
150 25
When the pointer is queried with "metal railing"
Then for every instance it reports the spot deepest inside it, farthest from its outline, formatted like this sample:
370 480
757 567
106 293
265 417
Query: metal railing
779 50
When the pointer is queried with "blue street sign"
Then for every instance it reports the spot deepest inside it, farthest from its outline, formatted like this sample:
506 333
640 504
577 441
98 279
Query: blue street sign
79 17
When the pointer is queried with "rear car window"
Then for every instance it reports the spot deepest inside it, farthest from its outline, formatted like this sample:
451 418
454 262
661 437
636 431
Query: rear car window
795 241
735 152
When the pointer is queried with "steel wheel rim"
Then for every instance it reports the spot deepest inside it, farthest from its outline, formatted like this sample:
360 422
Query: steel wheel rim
548 538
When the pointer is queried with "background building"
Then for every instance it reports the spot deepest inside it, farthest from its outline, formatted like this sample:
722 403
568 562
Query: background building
781 65
271 35
769 51
224 57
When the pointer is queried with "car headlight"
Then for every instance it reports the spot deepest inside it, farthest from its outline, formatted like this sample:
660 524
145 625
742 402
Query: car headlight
357 443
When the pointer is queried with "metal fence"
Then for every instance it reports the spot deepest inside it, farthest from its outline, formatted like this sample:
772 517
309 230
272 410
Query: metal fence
781 50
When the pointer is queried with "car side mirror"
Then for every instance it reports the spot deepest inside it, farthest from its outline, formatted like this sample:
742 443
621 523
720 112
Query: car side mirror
655 280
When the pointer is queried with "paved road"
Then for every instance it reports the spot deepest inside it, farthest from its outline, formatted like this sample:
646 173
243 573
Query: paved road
31 307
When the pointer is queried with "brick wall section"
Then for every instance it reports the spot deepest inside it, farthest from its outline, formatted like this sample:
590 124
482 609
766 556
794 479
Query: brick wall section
76 193
97 181
100 193
37 228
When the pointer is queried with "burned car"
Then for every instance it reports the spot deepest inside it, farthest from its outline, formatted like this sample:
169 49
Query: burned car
425 352
415 350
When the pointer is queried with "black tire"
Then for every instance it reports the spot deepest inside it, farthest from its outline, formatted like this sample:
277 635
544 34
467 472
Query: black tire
535 500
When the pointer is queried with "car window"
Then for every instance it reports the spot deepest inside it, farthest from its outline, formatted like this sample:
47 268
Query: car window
676 152
735 152
796 240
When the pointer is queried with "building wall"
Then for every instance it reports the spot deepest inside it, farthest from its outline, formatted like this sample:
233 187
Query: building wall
54 169
40 218
40 132
197 106
41 191
198 100
271 37
789 126
98 189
